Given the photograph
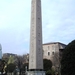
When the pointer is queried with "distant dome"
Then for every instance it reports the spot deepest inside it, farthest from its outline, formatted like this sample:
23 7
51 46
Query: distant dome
0 47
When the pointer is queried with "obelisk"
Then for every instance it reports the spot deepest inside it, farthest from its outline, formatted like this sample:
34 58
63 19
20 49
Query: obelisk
36 52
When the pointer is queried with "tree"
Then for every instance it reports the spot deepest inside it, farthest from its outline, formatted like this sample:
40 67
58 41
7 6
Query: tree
19 63
56 62
47 64
11 59
50 72
68 60
2 64
25 66
10 67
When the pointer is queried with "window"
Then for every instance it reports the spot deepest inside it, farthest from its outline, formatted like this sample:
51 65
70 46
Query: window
48 53
52 53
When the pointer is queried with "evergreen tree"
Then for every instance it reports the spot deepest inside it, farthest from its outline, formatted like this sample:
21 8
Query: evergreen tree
68 60
10 67
47 64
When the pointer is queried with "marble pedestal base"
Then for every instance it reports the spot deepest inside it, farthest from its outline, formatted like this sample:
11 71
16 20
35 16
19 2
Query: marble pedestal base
35 73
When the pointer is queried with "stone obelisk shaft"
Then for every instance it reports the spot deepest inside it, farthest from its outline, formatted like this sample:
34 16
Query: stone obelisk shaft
36 54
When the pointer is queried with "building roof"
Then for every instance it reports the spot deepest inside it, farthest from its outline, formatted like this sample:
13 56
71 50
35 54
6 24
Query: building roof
53 43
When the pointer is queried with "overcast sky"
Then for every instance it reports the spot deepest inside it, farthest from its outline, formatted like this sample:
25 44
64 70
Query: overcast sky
58 23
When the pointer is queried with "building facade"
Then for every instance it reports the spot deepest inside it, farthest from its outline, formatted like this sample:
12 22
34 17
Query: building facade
53 51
